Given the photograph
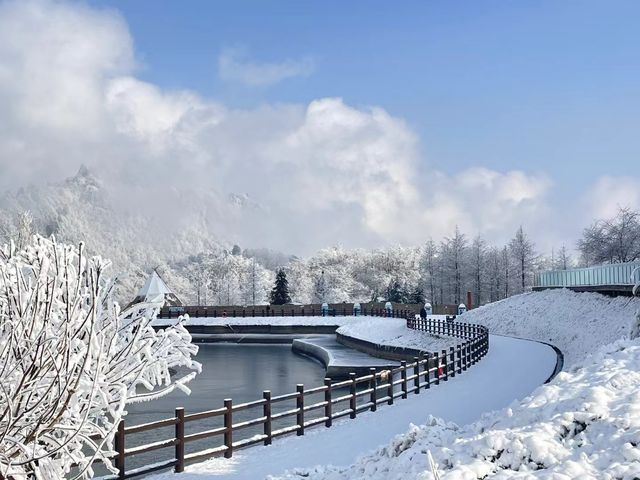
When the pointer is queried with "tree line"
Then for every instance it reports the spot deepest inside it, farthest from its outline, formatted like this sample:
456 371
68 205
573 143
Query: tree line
440 272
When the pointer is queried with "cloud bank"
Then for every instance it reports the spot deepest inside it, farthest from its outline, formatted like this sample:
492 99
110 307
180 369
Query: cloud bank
317 174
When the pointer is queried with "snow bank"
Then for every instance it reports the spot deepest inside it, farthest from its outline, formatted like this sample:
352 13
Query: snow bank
577 323
393 332
585 424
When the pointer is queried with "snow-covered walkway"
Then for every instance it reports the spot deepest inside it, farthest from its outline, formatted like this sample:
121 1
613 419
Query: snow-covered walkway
511 370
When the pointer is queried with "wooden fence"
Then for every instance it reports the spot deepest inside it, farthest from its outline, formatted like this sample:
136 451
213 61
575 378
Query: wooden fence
342 309
294 412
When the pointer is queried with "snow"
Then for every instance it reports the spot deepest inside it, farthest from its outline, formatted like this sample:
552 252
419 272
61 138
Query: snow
337 356
576 323
585 424
393 332
456 400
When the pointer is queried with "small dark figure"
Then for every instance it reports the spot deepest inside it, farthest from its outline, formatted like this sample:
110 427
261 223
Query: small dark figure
423 313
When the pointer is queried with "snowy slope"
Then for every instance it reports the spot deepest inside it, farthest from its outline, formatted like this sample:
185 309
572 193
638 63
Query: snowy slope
584 425
577 323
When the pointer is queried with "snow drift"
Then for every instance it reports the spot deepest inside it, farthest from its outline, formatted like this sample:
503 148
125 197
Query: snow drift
576 323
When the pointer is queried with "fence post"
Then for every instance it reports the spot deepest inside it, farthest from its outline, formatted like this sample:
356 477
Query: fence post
327 399
403 374
300 407
266 412
373 398
465 356
416 374
228 428
179 447
445 366
390 386
119 447
437 362
452 356
427 370
352 391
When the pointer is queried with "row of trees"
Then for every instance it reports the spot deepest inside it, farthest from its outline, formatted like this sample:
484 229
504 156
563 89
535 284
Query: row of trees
439 272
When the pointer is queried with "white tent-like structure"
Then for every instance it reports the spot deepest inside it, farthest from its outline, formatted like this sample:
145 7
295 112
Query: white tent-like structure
155 290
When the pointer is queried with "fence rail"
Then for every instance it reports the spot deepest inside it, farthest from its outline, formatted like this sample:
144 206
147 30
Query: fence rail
339 309
615 274
337 400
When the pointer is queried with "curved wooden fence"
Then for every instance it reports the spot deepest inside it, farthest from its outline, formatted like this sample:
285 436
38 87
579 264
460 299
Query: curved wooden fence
294 412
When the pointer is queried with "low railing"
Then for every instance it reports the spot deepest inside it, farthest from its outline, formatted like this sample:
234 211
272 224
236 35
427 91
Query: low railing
308 407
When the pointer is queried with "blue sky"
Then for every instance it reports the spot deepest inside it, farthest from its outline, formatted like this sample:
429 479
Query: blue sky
545 85
361 123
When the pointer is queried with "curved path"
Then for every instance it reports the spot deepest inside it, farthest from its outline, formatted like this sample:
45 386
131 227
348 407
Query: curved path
511 370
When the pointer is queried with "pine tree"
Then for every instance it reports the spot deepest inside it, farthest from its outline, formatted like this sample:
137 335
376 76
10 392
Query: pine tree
417 296
280 292
395 292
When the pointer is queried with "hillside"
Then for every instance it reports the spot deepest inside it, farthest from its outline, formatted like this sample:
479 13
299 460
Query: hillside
576 323
136 233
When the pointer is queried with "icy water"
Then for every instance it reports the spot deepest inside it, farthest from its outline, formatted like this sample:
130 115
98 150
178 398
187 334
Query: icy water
240 372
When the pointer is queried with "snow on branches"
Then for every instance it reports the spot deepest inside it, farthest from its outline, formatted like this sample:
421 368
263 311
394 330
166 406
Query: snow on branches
71 360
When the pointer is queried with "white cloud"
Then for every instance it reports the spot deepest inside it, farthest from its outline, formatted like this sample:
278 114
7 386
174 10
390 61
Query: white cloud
235 66
325 172
609 193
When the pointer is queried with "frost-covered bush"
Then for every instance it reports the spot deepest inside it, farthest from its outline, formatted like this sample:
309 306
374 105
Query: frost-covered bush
71 360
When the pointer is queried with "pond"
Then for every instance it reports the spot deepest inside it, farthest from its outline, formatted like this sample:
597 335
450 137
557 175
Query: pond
237 371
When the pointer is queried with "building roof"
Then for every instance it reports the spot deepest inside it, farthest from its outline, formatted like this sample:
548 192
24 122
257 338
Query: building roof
155 290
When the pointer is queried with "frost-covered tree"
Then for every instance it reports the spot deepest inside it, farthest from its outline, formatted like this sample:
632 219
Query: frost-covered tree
428 265
300 281
71 361
562 260
612 240
494 274
523 255
477 268
455 260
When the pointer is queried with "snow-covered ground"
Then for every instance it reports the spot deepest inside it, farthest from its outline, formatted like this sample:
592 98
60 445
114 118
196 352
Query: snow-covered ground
393 332
491 384
576 323
285 321
584 425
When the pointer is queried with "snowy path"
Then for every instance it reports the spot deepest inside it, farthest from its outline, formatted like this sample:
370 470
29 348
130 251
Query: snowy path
511 370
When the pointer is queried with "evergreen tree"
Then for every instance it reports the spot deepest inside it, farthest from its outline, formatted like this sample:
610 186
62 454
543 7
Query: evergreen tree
417 296
280 292
396 293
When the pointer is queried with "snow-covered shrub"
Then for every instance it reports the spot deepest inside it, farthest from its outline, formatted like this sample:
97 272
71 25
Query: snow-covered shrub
71 360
